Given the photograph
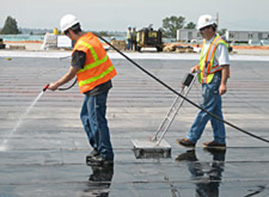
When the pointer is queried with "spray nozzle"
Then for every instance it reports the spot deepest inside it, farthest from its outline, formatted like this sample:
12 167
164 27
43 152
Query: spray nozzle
46 87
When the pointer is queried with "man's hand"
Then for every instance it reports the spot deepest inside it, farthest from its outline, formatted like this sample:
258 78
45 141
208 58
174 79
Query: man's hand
53 86
194 69
222 89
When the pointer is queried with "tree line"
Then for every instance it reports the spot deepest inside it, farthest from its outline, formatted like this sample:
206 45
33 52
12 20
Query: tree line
169 26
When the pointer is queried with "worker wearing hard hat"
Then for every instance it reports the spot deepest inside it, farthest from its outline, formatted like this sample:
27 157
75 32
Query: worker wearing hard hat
133 39
94 72
213 71
128 37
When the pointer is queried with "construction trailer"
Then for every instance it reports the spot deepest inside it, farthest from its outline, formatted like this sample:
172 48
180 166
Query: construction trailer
194 36
189 35
246 36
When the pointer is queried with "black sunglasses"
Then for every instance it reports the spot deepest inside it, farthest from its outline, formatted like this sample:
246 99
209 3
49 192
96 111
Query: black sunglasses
66 32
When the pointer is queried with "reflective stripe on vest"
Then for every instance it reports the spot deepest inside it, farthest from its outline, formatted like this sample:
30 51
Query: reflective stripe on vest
93 79
207 61
95 57
96 71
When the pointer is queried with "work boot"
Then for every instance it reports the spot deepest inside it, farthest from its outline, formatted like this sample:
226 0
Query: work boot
93 153
186 142
98 161
214 145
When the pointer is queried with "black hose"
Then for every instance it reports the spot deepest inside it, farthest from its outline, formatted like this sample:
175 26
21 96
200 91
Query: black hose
67 88
174 91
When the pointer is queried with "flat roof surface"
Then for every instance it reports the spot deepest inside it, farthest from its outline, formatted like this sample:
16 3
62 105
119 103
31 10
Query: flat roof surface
43 146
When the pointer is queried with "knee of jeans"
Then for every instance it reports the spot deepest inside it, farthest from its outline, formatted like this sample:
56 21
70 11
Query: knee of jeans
83 116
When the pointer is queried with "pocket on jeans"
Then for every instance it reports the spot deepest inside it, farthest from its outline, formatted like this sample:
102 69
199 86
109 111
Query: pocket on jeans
207 94
216 90
215 84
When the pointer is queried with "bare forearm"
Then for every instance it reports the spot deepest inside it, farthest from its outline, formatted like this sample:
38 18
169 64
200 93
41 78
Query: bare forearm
225 74
224 78
67 77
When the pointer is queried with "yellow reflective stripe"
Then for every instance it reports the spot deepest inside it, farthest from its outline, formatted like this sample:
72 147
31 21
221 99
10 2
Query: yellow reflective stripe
93 79
94 54
94 64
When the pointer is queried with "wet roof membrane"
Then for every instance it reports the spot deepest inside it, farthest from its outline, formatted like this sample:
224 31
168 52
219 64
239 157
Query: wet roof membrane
46 154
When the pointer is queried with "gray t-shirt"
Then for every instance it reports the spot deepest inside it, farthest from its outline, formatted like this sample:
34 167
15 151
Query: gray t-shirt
78 61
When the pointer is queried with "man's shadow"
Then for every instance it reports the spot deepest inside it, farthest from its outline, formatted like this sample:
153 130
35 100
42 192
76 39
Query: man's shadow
100 180
206 175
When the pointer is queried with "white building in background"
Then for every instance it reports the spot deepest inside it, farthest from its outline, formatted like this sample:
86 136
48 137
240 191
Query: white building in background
246 36
189 35
193 35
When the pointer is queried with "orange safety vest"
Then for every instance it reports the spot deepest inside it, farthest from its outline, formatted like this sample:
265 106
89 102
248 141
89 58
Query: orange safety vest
206 62
98 68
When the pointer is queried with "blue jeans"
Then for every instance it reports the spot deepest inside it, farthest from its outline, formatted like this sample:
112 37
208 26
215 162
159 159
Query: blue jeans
93 117
212 103
129 44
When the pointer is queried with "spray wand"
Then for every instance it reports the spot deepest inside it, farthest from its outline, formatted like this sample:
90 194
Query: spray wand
46 87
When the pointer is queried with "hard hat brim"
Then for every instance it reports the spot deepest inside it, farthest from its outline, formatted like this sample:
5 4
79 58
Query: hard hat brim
69 26
205 25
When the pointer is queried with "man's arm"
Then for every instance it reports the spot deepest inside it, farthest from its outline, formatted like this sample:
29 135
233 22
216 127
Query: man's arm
67 77
224 77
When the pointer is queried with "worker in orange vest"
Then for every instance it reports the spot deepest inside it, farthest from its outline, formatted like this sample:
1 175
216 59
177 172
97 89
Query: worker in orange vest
94 71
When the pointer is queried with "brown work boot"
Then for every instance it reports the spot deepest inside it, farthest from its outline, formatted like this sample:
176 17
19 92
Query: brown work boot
186 142
214 144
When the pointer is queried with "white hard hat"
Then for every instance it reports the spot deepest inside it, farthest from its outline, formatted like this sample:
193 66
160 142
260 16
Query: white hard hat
205 20
67 21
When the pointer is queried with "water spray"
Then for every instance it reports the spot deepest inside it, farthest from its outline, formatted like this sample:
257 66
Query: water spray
3 146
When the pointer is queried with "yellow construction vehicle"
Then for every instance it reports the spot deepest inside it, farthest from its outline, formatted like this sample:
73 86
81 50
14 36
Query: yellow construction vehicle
2 45
147 37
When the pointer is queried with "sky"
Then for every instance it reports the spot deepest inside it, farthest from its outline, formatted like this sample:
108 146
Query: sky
117 15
